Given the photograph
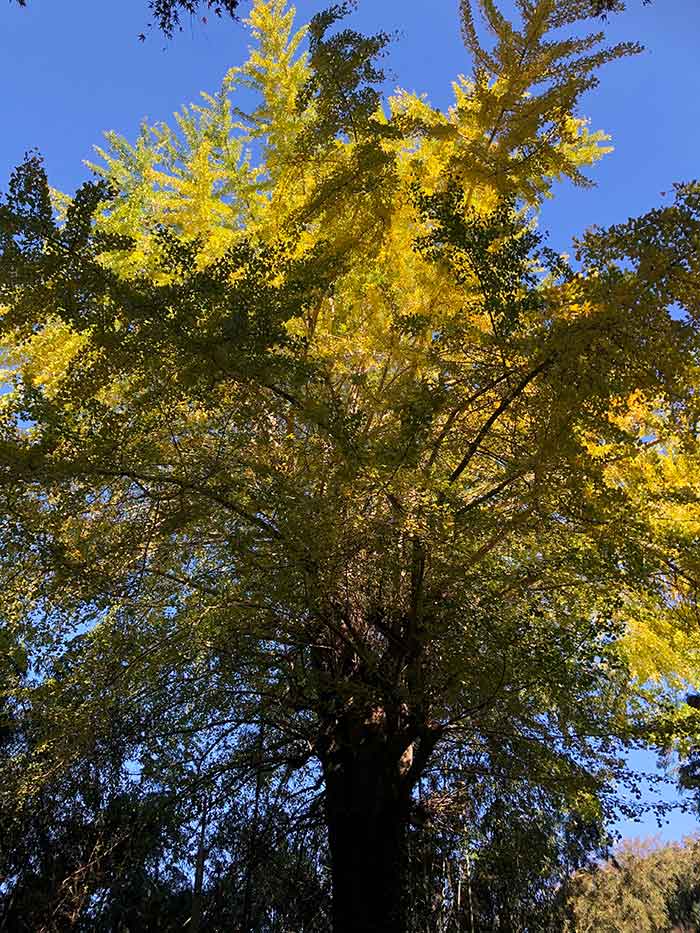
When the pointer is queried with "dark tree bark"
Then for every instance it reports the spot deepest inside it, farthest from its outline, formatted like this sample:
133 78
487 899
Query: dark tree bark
370 769
367 812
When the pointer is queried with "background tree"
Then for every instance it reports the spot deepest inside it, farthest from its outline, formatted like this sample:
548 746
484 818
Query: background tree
689 771
314 453
155 837
644 887
498 860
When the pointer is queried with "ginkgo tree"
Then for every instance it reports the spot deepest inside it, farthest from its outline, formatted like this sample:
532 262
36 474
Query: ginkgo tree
310 446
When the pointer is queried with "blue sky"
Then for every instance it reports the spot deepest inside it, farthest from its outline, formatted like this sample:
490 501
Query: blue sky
73 71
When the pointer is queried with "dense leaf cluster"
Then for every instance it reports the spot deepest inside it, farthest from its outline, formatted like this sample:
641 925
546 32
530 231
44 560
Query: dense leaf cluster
642 888
330 495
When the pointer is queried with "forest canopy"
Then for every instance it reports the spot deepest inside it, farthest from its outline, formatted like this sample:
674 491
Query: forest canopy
342 521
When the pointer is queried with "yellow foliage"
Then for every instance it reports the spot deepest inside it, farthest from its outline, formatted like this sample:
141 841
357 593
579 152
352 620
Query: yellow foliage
43 359
331 366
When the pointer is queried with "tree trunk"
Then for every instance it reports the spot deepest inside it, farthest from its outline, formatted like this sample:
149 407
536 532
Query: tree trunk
196 913
367 808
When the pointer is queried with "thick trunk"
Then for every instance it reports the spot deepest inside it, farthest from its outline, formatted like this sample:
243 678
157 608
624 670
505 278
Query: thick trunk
367 805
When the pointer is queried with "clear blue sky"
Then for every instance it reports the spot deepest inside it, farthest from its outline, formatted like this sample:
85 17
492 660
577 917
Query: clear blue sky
74 68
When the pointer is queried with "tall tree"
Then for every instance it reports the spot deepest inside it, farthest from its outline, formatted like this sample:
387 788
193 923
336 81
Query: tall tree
309 440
